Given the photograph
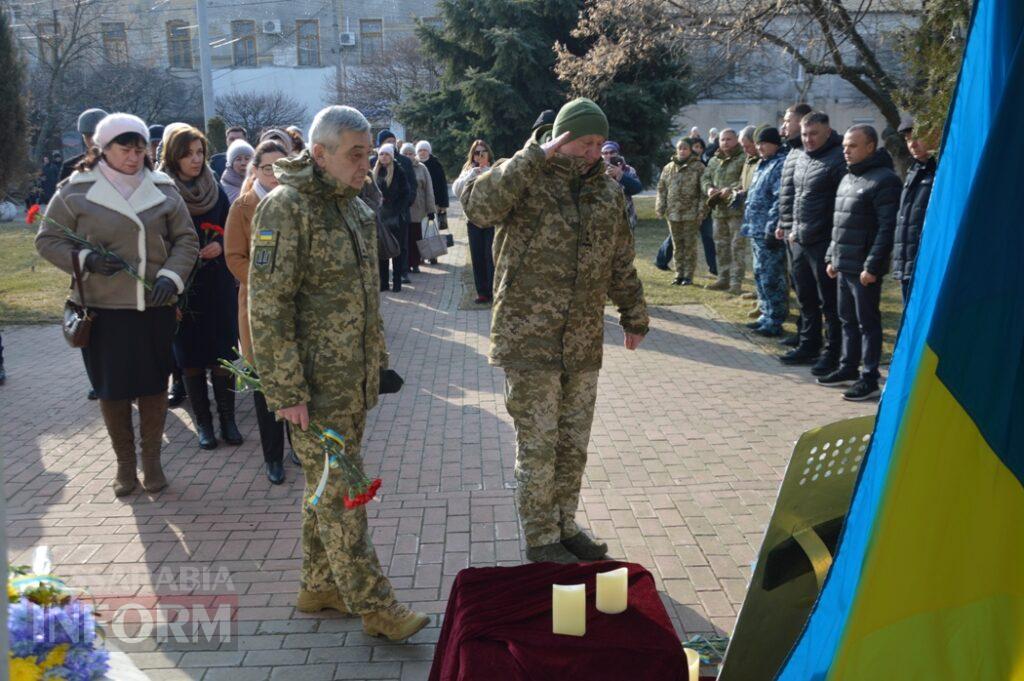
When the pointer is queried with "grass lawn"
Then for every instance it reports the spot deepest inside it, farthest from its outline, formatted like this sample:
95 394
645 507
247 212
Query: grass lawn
651 232
32 291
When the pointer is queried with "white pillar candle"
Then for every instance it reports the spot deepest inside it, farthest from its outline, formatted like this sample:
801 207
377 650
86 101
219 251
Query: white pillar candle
569 609
612 590
693 663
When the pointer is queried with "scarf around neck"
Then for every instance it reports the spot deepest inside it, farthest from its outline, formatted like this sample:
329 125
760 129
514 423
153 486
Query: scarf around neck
124 184
201 194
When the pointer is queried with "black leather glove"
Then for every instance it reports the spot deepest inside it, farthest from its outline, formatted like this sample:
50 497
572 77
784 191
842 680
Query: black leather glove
163 290
103 264
390 381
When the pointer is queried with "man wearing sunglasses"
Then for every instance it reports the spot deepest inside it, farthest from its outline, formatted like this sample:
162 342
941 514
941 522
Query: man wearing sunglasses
562 247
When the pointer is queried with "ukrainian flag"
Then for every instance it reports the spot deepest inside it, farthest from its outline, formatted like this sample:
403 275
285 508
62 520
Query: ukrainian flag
928 582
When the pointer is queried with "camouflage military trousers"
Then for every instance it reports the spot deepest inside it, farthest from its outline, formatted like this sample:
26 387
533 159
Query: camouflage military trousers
553 411
771 282
685 235
337 552
731 249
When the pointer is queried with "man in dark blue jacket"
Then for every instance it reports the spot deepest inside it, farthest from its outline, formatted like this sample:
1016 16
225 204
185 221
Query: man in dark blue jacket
858 257
806 203
917 191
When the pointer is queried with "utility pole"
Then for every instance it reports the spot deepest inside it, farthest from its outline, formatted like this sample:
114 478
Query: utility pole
204 62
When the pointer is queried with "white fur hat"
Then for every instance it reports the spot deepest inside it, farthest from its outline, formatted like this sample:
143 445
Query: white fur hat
388 149
116 124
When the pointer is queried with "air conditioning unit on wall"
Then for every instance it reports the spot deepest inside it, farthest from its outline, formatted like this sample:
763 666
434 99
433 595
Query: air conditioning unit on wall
272 26
347 39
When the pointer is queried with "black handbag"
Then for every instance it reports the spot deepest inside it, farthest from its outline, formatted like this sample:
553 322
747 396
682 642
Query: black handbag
387 243
78 319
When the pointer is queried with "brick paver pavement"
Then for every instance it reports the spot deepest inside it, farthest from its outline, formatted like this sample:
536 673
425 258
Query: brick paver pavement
690 442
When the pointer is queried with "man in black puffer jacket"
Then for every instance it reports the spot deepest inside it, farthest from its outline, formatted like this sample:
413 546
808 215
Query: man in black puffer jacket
793 147
917 191
806 220
858 257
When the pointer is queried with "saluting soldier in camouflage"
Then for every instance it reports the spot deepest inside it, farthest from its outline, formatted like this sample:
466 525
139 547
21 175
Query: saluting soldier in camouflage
562 247
721 181
681 202
318 343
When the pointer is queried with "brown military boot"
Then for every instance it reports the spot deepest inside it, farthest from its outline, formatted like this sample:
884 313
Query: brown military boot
551 553
396 623
315 601
719 284
585 548
117 415
152 414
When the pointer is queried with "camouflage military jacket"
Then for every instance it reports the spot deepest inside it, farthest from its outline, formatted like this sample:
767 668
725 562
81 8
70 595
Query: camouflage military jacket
562 246
679 193
314 300
725 172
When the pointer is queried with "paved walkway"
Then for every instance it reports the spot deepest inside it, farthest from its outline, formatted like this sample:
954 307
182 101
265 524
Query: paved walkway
690 442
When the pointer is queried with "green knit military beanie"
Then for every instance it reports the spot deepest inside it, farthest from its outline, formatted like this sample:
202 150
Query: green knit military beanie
580 117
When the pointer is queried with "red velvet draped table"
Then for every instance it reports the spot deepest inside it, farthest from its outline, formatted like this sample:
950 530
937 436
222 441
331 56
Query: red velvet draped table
497 627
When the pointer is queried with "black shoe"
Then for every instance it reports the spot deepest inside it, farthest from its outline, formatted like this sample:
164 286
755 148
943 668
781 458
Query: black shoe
753 325
224 394
841 378
825 366
294 458
799 356
91 395
414 270
3 375
663 268
397 288
433 261
177 394
686 282
275 472
383 287
862 390
790 341
678 281
768 331
198 396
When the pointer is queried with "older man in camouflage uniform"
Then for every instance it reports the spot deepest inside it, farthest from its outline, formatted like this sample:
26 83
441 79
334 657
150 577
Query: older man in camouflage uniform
318 342
562 247
681 201
721 181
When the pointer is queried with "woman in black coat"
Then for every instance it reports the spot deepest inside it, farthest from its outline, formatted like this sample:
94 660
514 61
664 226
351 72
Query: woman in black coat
438 179
208 331
390 179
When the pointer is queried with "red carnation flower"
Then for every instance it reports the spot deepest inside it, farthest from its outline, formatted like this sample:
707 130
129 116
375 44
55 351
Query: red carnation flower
33 213
210 227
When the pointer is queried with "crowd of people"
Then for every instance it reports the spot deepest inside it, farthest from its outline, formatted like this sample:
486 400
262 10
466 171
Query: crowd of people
279 248
822 213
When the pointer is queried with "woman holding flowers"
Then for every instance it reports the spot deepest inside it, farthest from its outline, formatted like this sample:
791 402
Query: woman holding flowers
130 234
208 330
236 241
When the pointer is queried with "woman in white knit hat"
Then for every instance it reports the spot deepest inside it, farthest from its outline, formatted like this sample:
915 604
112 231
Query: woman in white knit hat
131 216
239 154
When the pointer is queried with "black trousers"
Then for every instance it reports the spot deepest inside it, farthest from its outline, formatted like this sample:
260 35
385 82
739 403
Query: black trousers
816 294
860 312
272 431
481 250
399 265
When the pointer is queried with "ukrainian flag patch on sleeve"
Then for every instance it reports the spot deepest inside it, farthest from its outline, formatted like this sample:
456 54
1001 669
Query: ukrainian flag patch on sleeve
265 235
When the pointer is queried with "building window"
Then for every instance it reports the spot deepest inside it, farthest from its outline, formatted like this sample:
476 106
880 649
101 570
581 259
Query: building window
115 42
179 45
307 32
371 38
243 45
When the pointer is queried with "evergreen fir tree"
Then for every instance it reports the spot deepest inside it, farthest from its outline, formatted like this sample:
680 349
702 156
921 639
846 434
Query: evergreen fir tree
12 111
499 60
